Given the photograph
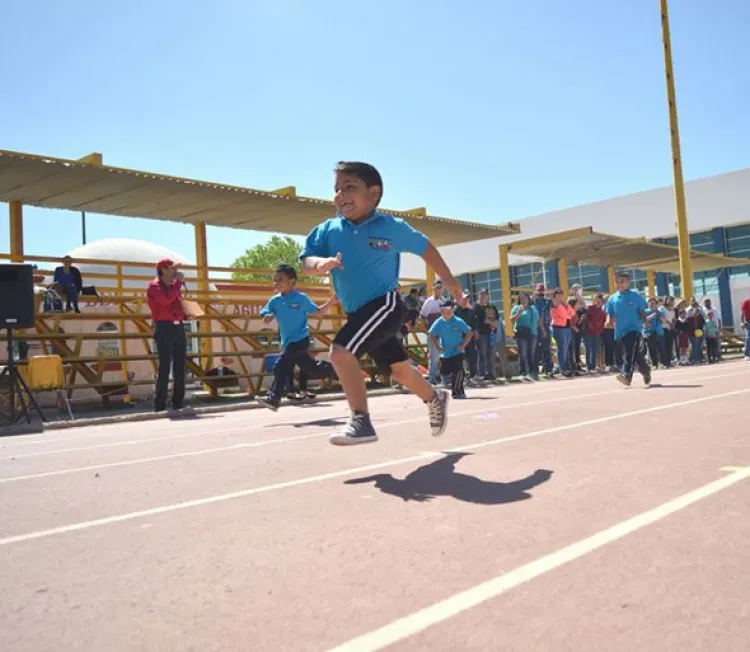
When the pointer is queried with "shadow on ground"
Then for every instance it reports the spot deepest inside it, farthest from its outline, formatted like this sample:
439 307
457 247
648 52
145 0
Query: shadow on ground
439 478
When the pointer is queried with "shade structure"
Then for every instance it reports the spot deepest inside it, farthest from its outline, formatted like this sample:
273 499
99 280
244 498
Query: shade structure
586 246
77 185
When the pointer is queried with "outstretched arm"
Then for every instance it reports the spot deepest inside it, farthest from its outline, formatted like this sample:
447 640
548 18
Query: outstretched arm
326 307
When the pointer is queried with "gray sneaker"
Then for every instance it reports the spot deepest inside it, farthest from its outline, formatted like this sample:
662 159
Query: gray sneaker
358 430
438 410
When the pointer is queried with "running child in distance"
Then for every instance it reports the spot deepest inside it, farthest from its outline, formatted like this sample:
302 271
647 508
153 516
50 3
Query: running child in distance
291 309
361 248
451 335
628 309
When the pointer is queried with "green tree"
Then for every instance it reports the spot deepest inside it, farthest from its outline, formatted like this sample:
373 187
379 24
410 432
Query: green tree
277 251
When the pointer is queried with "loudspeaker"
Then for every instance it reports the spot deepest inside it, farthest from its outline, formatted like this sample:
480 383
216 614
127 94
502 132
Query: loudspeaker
16 296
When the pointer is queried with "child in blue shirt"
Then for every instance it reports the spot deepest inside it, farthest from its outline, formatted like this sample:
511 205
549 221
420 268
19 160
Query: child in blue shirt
653 333
628 311
361 249
291 309
451 335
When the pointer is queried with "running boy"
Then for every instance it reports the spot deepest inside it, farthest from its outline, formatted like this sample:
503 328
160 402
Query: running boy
361 248
451 335
291 308
628 308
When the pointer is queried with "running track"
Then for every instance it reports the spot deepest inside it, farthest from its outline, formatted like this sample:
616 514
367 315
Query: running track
567 515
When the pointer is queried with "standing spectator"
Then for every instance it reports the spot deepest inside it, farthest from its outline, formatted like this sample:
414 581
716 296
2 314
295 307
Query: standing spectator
578 303
682 331
525 320
562 315
745 323
164 296
712 338
593 329
69 279
709 307
670 334
466 313
543 353
696 322
411 301
487 318
430 313
653 333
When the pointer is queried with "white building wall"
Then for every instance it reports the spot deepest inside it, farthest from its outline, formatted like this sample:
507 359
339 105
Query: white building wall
721 200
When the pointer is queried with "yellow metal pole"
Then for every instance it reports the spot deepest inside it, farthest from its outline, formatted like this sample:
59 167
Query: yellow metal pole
16 232
683 234
124 341
611 279
562 275
505 285
430 277
201 260
651 280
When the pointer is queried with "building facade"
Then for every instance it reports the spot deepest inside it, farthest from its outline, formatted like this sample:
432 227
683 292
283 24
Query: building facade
719 221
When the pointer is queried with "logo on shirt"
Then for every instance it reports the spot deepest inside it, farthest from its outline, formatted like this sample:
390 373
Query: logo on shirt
294 306
383 244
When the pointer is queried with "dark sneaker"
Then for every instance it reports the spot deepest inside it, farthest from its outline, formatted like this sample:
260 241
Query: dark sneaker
269 402
647 377
358 430
438 410
624 380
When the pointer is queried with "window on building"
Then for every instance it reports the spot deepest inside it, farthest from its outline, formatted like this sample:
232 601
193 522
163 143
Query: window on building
738 246
589 277
490 281
527 276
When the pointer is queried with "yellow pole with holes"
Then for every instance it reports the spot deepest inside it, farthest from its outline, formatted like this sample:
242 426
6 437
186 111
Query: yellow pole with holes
562 275
683 234
505 285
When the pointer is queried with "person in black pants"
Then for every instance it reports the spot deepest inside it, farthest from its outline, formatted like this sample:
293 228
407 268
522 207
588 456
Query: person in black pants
164 296
291 309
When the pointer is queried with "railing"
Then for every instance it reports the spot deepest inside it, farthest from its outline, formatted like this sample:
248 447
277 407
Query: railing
108 348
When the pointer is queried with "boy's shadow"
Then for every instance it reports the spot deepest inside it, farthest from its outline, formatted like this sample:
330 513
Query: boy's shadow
439 478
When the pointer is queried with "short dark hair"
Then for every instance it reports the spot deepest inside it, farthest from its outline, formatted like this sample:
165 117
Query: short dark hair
363 171
622 275
287 270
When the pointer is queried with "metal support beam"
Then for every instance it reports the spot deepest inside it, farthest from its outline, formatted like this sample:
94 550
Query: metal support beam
611 287
430 277
201 260
16 231
722 277
562 275
683 234
651 290
505 285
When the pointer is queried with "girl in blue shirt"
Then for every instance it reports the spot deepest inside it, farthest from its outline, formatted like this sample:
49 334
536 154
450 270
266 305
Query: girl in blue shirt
525 320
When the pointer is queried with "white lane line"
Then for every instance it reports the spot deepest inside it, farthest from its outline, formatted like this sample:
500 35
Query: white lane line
158 458
173 507
439 612
131 442
237 419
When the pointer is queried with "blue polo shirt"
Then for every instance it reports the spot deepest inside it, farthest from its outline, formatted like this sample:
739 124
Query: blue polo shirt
626 308
653 326
529 319
450 333
291 311
370 255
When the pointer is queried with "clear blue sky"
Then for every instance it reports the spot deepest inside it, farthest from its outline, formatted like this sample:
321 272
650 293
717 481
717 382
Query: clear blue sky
486 110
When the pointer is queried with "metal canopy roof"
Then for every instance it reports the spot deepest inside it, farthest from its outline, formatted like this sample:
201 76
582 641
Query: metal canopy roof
82 186
589 247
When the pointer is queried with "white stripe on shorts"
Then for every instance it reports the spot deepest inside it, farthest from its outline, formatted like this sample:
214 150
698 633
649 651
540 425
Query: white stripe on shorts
378 317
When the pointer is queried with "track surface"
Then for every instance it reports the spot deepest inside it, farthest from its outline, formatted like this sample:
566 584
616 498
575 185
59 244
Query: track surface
566 515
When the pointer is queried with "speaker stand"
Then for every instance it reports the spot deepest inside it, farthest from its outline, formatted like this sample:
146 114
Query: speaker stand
17 386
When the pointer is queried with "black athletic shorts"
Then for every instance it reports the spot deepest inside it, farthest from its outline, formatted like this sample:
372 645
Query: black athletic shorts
451 365
373 330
